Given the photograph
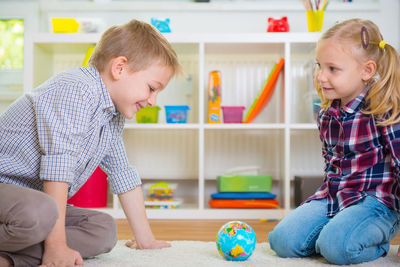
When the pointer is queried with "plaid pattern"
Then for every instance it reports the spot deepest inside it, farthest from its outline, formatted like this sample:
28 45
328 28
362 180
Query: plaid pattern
361 158
62 131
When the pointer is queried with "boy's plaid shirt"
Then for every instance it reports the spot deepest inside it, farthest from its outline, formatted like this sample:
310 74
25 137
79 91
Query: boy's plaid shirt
361 158
63 130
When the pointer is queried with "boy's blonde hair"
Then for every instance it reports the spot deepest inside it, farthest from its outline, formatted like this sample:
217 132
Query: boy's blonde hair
383 99
139 42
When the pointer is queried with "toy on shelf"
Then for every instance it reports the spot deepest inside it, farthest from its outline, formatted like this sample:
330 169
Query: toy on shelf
233 114
176 114
161 25
266 94
278 25
64 25
214 97
147 115
236 241
161 196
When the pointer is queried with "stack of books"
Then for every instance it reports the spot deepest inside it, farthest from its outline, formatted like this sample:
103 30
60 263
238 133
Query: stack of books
244 191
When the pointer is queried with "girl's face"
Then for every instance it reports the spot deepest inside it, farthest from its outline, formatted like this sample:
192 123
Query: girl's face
338 73
135 90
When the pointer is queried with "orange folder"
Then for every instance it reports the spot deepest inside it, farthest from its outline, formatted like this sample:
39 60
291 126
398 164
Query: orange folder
266 93
244 203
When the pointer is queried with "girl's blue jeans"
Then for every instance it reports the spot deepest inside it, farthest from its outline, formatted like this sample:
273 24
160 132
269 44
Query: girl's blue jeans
359 233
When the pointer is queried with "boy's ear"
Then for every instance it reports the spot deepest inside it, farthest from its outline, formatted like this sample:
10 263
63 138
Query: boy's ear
118 66
369 70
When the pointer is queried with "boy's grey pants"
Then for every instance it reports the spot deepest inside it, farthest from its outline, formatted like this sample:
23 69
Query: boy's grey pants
27 216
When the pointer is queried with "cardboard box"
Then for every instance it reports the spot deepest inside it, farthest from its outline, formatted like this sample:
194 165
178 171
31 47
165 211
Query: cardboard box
244 183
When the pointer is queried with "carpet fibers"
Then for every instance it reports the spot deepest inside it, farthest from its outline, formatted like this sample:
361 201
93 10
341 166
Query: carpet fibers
196 253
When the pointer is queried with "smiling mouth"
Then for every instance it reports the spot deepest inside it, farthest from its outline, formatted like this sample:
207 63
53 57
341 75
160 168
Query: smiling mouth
139 106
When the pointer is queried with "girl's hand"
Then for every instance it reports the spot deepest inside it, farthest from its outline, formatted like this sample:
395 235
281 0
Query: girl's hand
61 256
398 252
156 244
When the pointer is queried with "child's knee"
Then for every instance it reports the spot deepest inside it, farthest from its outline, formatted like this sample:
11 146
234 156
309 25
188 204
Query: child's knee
32 218
42 216
285 244
106 233
111 233
344 246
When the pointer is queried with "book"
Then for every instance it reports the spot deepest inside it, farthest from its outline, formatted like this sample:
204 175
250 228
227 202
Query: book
244 203
88 54
266 93
243 195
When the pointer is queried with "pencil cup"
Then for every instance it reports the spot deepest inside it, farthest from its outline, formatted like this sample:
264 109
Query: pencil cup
315 20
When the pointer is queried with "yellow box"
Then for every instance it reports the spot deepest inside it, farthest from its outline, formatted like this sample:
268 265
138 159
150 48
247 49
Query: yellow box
214 97
64 25
315 20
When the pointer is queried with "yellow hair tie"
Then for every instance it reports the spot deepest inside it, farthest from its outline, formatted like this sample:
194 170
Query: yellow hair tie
382 44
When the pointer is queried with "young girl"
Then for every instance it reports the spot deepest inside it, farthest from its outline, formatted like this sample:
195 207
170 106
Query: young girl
355 213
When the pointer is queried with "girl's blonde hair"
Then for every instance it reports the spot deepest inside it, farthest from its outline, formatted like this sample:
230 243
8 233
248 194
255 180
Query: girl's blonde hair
139 42
383 98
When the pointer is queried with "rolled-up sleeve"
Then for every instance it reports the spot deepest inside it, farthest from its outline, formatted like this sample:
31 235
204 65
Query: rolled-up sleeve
62 116
122 177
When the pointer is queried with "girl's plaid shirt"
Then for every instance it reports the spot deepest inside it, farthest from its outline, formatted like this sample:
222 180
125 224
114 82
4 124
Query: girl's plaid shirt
361 158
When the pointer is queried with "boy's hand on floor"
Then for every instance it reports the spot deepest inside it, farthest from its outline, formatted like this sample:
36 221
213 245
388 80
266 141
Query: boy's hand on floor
61 256
156 244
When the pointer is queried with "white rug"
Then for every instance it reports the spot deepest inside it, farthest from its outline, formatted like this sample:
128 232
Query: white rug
196 253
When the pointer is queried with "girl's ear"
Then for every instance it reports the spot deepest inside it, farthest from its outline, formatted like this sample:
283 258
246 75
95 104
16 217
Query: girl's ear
118 66
369 70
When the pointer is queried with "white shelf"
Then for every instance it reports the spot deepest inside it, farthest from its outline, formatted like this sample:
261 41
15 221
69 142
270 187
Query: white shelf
134 125
194 213
282 140
304 126
198 7
213 38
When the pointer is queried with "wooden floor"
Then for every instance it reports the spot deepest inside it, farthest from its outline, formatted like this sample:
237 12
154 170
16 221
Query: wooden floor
200 230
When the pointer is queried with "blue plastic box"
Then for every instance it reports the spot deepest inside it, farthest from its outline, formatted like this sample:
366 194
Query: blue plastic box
176 114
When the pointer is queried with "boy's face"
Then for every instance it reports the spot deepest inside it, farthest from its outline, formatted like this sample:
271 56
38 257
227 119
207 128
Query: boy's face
135 90
338 73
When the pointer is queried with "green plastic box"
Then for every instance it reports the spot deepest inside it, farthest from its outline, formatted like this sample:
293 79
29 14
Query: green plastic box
148 115
244 183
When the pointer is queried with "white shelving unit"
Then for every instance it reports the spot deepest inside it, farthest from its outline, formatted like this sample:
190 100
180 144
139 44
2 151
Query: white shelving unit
282 141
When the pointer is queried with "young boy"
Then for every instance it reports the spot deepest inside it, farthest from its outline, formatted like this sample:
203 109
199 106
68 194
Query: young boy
53 138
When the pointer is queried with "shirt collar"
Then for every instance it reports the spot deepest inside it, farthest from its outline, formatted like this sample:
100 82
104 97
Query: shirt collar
351 107
106 101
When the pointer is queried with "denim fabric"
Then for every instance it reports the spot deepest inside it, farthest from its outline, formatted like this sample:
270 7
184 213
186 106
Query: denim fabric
359 233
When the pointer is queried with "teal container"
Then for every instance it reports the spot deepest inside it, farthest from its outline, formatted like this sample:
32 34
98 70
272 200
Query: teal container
176 114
